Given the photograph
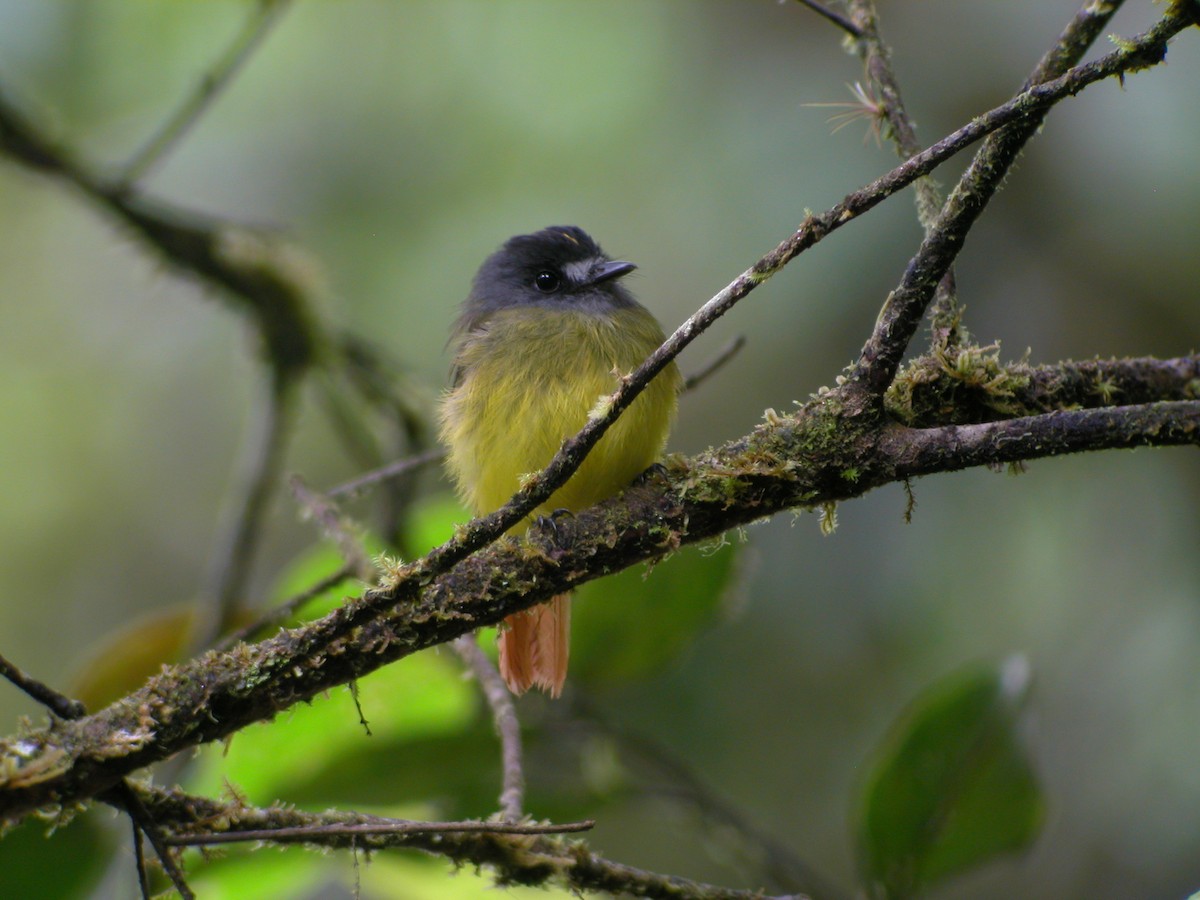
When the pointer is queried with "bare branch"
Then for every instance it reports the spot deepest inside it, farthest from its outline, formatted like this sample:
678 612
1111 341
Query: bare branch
847 25
884 87
905 306
391 470
59 704
371 828
278 615
238 537
143 823
726 353
508 728
256 28
518 853
333 526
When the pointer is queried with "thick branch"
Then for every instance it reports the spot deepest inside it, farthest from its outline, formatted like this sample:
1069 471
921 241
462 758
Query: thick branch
924 451
826 452
836 447
882 351
969 384
883 84
906 305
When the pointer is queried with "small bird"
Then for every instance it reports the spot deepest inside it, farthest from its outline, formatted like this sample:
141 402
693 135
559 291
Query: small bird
546 333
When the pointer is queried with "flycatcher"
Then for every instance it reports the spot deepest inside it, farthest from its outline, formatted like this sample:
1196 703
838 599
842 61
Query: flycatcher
547 331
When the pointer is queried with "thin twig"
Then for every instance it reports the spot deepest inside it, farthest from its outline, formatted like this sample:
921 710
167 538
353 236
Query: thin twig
59 704
383 473
139 816
724 355
139 860
280 613
143 822
906 304
333 525
210 86
510 850
833 16
384 386
885 90
233 558
508 727
784 867
380 827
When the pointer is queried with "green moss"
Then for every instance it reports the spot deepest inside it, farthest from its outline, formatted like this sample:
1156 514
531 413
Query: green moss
960 384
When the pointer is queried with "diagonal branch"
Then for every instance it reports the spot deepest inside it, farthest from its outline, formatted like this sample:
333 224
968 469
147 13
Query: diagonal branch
824 453
59 704
215 80
879 357
905 306
834 448
258 276
881 77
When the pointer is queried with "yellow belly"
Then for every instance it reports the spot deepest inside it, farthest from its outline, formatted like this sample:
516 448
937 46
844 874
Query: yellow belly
528 380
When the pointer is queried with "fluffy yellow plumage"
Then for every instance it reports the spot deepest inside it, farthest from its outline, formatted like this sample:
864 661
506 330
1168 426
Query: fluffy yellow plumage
531 377
528 372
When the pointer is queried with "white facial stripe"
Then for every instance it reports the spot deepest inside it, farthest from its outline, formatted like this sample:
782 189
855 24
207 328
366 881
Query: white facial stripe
577 272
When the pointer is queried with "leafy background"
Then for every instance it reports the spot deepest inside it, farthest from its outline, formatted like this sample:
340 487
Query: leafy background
399 144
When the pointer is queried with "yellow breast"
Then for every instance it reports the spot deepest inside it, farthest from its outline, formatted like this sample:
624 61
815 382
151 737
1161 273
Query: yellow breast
528 380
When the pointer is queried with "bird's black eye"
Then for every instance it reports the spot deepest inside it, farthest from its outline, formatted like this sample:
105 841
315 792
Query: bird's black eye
546 281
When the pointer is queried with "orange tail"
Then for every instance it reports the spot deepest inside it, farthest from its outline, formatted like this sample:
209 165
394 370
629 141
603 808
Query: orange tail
535 647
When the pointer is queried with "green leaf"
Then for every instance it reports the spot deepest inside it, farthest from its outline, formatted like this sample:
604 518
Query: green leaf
632 623
951 787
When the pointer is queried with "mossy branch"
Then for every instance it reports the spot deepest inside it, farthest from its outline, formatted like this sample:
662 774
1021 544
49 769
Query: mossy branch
956 407
906 304
831 449
526 854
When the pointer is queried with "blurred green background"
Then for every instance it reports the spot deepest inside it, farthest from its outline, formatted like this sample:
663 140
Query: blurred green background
400 143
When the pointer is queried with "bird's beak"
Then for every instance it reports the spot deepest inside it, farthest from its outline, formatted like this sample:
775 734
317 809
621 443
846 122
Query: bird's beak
614 268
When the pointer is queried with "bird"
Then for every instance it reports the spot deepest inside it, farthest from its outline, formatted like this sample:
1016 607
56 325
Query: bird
546 333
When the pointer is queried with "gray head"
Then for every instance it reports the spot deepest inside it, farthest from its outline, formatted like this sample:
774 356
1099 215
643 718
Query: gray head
560 266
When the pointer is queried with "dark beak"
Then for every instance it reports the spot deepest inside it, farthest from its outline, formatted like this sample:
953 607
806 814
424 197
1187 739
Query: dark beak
614 268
